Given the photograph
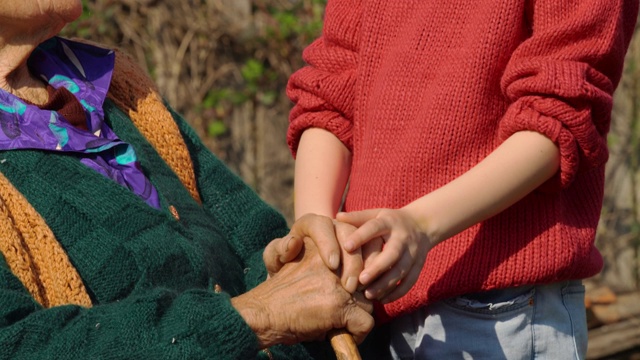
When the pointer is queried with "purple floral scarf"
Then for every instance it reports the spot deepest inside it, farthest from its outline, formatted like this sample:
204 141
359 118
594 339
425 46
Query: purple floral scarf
86 72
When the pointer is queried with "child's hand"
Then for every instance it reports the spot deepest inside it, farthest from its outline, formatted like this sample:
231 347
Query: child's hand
388 274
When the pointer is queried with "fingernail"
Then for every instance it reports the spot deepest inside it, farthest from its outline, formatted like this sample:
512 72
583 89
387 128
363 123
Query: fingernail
349 246
364 278
352 284
369 294
334 261
286 247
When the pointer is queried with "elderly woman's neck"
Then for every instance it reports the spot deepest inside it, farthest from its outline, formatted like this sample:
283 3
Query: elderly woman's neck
15 77
22 29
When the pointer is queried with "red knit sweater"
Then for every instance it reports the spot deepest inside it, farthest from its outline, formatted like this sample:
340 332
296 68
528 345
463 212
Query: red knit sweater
422 90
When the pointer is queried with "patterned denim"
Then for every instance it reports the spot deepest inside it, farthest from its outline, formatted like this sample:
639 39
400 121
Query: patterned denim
528 322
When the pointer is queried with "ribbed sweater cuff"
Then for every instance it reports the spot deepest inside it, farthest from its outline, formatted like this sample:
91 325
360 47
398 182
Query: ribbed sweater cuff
219 329
327 120
521 117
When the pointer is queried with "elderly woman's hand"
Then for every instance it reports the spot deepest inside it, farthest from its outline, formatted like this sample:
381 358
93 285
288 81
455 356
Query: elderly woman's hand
302 301
327 234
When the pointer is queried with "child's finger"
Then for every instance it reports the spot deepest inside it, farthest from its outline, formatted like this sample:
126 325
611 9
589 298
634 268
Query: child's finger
352 262
403 287
371 249
369 252
357 218
366 232
389 281
381 263
395 275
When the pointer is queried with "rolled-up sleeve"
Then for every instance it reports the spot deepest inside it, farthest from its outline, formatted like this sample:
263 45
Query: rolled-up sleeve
561 79
323 91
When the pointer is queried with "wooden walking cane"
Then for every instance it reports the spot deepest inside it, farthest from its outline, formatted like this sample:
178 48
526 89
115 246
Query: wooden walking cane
343 344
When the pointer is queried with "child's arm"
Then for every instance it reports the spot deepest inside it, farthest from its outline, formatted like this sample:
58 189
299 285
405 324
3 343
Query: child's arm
518 166
321 174
559 82
321 120
322 170
323 94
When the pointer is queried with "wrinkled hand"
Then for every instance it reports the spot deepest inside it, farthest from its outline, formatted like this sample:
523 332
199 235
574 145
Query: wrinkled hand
327 235
302 302
388 273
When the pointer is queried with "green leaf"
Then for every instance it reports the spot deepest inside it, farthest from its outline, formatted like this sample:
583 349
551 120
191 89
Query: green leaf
216 128
268 98
252 70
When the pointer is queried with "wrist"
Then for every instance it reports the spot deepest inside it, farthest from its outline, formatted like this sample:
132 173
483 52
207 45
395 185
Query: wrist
426 226
321 211
255 314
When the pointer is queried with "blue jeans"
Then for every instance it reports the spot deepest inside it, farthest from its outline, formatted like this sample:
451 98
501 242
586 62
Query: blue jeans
528 322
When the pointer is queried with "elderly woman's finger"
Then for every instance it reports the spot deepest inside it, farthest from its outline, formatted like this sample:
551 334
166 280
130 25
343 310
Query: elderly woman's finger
304 300
352 262
359 323
321 230
342 341
281 251
362 302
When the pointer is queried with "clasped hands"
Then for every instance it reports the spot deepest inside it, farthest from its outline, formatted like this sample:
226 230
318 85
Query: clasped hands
304 296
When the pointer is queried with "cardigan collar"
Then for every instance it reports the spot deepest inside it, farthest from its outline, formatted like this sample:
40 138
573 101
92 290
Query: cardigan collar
85 71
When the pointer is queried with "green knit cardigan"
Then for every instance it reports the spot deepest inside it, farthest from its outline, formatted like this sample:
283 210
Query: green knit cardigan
158 282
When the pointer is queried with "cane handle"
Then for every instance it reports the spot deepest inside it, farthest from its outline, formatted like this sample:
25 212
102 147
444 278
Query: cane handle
344 345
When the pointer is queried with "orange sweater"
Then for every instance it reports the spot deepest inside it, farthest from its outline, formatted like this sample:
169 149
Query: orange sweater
421 91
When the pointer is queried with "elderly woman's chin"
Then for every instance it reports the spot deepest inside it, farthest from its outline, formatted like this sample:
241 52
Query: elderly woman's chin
68 10
57 13
60 10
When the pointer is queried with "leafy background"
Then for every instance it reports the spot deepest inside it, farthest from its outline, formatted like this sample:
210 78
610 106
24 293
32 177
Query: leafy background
223 64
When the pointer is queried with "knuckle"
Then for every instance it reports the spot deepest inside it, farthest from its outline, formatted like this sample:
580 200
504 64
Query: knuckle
326 221
394 253
267 254
380 221
385 212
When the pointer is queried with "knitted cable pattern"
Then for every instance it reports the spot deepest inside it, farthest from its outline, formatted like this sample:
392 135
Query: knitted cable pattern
136 94
34 255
